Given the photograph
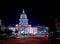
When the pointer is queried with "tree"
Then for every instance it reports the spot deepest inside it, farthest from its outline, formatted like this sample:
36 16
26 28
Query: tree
7 31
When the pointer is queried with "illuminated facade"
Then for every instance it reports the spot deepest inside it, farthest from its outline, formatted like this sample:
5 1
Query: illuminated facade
23 28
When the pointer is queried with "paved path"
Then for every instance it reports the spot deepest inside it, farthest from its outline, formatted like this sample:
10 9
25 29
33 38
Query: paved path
26 40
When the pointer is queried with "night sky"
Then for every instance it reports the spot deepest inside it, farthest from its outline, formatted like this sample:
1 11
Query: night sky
37 13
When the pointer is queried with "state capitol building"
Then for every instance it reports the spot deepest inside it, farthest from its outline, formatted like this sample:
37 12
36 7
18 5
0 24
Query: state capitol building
23 28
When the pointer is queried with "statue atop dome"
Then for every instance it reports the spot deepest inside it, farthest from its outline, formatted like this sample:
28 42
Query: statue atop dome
23 11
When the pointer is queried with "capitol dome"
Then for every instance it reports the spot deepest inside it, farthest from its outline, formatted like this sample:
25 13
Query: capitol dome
23 15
